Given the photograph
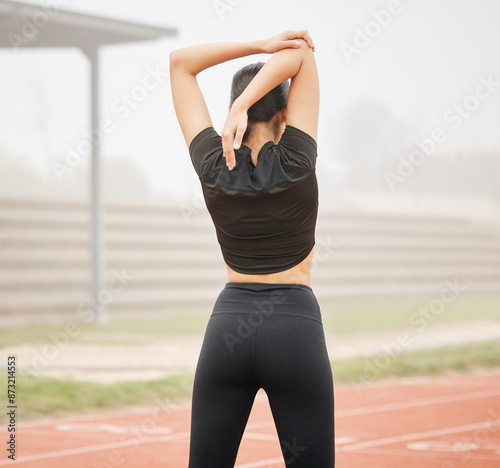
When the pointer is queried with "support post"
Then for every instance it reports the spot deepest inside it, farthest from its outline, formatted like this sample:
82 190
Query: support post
96 202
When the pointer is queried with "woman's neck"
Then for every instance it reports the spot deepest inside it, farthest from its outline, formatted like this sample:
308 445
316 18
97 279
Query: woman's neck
261 133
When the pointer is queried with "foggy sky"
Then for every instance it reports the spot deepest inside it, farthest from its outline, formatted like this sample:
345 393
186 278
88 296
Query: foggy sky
422 67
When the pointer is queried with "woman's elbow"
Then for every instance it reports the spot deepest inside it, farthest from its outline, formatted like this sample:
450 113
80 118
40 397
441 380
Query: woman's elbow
175 57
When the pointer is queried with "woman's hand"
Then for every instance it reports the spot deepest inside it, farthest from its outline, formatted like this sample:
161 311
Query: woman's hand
236 124
286 40
233 131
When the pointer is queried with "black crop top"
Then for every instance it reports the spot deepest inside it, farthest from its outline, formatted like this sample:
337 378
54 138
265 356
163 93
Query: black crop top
264 215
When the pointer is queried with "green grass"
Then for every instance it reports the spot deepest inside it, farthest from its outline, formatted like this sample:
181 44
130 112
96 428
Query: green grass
439 361
38 397
42 397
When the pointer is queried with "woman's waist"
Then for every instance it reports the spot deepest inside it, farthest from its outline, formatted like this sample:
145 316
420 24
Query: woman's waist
298 274
257 298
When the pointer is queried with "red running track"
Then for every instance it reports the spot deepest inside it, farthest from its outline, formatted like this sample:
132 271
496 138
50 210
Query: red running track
443 422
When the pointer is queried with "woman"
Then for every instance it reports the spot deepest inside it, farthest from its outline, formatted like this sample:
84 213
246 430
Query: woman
259 184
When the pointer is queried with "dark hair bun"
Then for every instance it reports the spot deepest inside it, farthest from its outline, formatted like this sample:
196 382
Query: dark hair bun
267 106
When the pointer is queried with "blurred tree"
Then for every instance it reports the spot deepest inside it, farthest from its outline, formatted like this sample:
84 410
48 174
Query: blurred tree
18 178
123 180
368 135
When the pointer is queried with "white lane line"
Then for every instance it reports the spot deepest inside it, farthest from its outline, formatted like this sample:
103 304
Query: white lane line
119 414
418 403
419 435
442 446
406 453
270 461
400 405
274 438
341 413
110 428
96 448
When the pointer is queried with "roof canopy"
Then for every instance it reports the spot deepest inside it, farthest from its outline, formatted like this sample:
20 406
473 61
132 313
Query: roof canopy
28 25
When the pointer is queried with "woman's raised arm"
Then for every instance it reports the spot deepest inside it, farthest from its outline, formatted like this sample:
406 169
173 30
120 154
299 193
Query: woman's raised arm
303 99
187 62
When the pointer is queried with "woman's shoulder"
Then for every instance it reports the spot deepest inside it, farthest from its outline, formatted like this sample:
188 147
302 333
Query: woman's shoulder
297 148
206 151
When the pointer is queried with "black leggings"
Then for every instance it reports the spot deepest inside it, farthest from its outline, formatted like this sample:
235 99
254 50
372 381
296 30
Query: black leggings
266 336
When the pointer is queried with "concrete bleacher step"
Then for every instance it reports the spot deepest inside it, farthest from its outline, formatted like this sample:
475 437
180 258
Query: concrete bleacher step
55 258
52 279
206 241
326 292
136 216
142 301
173 255
165 216
333 226
75 304
46 278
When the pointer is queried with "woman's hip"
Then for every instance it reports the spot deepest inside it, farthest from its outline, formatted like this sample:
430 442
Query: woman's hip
259 301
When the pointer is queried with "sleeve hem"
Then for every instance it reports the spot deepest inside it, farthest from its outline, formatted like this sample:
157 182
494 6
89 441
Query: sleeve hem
303 135
198 137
